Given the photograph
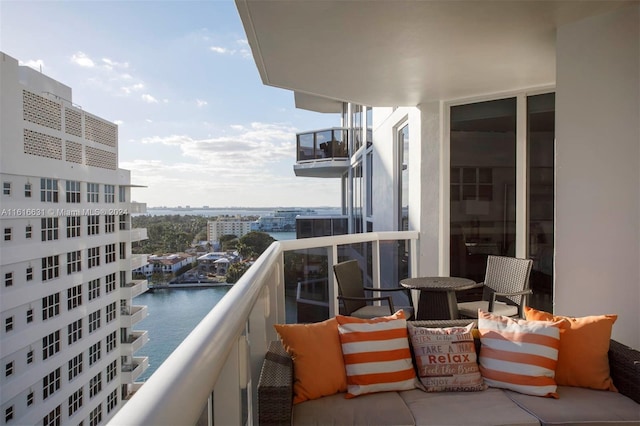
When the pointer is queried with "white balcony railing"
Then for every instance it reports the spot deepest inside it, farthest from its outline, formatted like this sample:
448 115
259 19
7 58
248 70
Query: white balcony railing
130 372
133 288
134 341
215 369
130 316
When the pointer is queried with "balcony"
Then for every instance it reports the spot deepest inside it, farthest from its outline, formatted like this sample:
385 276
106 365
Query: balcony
137 261
215 369
130 316
134 341
133 288
322 153
137 208
130 372
138 234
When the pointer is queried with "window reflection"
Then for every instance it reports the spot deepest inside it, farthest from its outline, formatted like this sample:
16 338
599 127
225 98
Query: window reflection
483 178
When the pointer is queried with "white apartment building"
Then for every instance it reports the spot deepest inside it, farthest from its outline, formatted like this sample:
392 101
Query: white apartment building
218 228
66 344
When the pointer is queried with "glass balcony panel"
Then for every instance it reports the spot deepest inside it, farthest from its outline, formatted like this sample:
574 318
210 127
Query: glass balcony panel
306 285
306 146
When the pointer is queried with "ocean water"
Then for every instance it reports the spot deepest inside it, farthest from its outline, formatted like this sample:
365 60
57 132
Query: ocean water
172 315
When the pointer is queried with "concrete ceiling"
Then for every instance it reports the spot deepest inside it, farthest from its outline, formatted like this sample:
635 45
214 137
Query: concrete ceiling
402 53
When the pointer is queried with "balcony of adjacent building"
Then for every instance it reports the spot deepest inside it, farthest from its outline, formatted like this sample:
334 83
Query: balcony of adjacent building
132 341
131 371
322 153
137 208
132 288
137 234
131 315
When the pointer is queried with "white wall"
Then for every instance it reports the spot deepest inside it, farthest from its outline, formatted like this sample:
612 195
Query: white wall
597 170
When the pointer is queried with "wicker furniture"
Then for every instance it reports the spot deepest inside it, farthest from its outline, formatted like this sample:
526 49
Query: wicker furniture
275 397
437 299
352 293
506 286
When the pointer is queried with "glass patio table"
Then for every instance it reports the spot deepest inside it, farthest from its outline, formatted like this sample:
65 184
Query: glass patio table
437 300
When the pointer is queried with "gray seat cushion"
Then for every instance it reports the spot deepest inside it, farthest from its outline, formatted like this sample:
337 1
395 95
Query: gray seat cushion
489 408
385 408
580 406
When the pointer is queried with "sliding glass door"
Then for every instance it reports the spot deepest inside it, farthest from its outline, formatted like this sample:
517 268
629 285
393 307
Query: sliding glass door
501 187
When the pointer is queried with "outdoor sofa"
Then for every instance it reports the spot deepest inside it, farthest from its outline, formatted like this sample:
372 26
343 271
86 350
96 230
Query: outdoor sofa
493 406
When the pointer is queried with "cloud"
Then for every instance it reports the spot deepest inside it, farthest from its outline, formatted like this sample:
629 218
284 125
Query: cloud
113 64
149 99
37 64
119 122
200 103
222 50
244 148
242 49
81 59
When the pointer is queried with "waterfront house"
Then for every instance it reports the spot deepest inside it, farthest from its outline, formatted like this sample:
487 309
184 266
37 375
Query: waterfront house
473 128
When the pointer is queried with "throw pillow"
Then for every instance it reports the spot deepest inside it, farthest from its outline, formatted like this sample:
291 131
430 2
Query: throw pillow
583 360
376 354
446 358
317 358
519 355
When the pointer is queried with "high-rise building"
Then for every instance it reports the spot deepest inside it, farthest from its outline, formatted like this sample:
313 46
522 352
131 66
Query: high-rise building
227 226
67 344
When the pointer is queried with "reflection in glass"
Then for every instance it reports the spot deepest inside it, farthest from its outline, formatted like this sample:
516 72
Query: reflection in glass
403 157
482 184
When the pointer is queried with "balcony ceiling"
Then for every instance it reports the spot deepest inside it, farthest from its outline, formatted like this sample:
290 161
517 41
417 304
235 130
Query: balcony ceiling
403 53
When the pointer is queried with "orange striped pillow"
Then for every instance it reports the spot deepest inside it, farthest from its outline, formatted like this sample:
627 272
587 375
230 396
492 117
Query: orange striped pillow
376 354
519 355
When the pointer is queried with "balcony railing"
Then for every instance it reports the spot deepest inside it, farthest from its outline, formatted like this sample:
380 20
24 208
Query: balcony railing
214 371
130 316
134 341
133 288
322 153
130 372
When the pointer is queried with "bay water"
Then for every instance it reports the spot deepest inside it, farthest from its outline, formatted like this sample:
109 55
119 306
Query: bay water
173 313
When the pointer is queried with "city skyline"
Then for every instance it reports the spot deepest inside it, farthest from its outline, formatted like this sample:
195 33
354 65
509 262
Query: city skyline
196 125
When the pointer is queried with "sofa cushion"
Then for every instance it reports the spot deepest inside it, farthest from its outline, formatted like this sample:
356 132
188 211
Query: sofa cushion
385 408
317 358
491 408
587 339
446 358
580 406
376 354
519 355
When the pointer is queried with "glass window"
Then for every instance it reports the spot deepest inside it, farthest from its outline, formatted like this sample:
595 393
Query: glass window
483 185
73 191
48 190
541 148
403 167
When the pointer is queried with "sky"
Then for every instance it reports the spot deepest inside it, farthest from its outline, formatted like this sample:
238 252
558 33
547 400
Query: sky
196 125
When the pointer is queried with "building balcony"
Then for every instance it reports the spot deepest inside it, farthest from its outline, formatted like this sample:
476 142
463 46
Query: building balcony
130 372
214 372
138 234
133 288
131 315
322 153
137 208
137 261
131 390
134 341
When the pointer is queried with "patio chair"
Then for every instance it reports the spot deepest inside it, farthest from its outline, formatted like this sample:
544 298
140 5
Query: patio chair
505 288
354 300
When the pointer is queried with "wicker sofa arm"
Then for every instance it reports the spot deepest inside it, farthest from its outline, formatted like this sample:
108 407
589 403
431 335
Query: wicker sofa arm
275 387
624 366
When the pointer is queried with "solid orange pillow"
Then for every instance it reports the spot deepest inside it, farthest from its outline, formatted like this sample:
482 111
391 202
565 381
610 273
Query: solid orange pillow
317 358
583 359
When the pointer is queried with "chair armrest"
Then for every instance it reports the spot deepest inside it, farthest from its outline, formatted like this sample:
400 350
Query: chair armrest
517 293
372 299
275 387
387 289
624 368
